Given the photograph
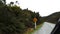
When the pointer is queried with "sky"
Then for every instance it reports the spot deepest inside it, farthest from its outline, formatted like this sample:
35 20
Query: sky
44 7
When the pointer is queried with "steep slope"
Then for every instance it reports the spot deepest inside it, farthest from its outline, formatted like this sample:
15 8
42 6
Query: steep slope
53 18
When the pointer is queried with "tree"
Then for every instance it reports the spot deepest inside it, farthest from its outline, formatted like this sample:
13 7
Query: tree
11 3
4 2
1 3
14 20
17 2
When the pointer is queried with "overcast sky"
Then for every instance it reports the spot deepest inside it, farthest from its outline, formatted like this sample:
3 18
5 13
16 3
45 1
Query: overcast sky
44 7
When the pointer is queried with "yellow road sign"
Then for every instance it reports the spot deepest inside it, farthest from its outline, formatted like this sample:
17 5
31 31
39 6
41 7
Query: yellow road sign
35 20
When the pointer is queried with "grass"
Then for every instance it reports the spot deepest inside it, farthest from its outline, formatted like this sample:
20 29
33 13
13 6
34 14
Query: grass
31 30
38 27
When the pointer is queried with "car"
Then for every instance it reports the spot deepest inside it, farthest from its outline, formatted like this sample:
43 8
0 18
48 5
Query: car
56 29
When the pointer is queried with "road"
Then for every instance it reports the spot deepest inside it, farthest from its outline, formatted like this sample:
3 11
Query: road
45 29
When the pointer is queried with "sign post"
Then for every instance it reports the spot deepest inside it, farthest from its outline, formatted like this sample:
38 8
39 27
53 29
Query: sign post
35 25
35 20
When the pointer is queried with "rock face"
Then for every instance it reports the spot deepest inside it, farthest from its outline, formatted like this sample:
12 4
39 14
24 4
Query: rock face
46 28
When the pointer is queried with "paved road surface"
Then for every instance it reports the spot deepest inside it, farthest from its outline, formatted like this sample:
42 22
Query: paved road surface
45 29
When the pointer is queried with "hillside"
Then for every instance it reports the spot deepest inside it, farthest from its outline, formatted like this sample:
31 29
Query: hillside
15 20
53 18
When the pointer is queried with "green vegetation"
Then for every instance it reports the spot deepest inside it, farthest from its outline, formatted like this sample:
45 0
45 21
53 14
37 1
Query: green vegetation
38 27
14 20
53 18
31 30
